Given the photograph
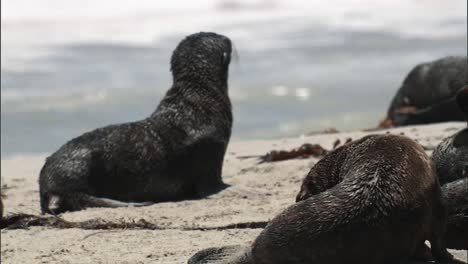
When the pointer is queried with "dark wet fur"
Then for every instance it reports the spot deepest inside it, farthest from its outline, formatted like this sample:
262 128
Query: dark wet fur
234 254
451 157
451 161
176 153
431 88
375 201
462 101
455 194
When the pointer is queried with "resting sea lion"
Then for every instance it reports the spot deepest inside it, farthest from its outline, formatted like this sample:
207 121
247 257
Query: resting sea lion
451 161
375 201
456 197
427 94
176 153
451 156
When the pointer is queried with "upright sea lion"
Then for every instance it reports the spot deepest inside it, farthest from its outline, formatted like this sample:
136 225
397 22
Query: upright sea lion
374 201
427 94
174 154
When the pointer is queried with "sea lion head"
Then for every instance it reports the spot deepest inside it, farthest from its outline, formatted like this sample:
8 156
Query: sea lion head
462 100
202 57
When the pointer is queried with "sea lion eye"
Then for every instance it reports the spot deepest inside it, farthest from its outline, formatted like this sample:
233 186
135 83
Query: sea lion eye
225 57
406 100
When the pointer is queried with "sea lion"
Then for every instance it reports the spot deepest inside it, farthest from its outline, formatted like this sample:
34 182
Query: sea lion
427 94
451 162
455 194
451 156
176 153
374 200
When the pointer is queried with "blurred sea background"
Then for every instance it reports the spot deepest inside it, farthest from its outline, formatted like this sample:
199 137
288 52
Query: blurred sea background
70 66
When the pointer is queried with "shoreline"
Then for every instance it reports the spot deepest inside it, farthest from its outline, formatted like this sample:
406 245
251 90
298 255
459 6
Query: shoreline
257 192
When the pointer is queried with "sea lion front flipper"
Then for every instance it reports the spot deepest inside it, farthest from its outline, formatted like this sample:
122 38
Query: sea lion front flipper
439 224
223 255
205 159
432 114
423 255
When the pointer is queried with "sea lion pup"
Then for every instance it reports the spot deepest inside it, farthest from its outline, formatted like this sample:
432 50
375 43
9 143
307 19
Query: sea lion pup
176 153
451 156
451 162
376 202
427 94
456 197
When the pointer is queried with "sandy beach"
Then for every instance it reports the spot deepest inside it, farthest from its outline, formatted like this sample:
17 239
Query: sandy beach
257 192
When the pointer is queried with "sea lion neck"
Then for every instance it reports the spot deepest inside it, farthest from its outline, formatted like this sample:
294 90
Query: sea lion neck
188 81
200 75
212 94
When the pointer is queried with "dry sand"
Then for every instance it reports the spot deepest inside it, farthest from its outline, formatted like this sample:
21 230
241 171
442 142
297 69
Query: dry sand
257 193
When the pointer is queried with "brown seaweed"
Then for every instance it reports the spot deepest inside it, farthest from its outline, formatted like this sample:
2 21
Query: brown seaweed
304 151
24 221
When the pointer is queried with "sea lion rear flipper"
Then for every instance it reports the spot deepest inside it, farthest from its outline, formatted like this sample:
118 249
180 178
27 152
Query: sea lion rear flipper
106 202
223 255
77 201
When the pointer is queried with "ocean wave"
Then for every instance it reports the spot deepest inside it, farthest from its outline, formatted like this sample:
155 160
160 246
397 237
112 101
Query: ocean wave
14 101
108 61
61 22
35 28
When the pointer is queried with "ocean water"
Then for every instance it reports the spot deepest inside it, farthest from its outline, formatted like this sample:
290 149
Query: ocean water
70 66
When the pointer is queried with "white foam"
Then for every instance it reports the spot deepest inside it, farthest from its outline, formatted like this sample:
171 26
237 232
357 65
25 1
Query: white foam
280 90
303 93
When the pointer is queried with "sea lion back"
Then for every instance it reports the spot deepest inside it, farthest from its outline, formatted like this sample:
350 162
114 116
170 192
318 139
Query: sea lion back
380 211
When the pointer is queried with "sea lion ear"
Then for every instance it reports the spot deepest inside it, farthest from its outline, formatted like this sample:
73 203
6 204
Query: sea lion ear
462 99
